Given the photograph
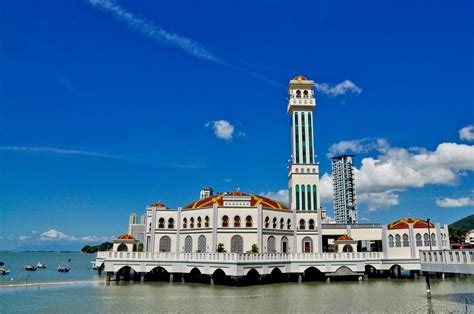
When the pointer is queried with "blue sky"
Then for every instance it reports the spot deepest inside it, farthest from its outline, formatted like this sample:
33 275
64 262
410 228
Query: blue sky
108 106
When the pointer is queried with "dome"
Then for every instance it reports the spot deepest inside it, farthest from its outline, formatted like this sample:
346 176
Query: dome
404 224
255 200
159 204
300 78
125 237
345 238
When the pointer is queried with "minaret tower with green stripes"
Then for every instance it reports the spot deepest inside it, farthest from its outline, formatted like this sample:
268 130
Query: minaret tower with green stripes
303 172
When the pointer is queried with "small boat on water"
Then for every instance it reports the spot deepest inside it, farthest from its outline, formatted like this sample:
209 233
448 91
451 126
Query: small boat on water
63 269
4 271
30 268
40 265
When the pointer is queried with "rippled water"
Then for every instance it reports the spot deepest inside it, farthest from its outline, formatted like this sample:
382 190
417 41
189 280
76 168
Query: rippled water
373 295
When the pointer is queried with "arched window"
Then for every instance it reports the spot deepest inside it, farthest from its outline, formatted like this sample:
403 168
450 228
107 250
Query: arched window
315 198
347 248
311 224
237 221
236 244
122 248
161 223
191 222
433 239
303 140
297 190
206 221
282 223
185 223
426 239
305 94
199 221
267 221
303 202
274 222
307 245
248 222
405 240
225 221
418 240
170 223
284 245
188 244
297 142
271 248
298 94
390 240
288 223
308 192
165 244
302 224
398 240
202 246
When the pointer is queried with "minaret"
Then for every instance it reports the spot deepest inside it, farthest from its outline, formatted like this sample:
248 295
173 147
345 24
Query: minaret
303 175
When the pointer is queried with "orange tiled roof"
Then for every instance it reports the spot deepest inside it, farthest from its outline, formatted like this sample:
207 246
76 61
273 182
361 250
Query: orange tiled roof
404 224
125 237
300 78
345 238
254 201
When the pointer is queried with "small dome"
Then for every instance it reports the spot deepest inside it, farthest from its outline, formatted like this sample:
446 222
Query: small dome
159 204
125 237
345 238
405 223
300 78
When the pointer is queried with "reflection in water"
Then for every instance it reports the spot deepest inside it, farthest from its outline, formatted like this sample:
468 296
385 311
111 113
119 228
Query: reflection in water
374 295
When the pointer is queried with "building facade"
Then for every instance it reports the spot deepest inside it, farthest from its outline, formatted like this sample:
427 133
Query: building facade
345 205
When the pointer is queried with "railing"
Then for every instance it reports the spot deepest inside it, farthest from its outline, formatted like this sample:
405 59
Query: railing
235 257
353 226
301 101
447 257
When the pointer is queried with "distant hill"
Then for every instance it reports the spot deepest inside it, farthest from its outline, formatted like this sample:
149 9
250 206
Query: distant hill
464 224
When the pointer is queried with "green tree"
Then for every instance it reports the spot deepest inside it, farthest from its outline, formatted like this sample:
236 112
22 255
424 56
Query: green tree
140 247
220 248
254 248
456 235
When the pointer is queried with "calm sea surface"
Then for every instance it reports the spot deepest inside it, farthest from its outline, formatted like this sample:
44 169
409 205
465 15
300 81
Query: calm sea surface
89 294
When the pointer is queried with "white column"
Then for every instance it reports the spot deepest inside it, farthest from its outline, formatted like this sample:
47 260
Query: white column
153 227
320 233
411 238
259 228
215 223
295 224
178 229
300 138
438 236
384 241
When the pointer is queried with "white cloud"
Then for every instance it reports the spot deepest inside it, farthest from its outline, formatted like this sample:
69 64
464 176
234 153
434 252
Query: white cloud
455 202
222 129
23 238
325 188
339 89
227 180
364 219
53 150
55 235
280 195
379 180
377 200
467 133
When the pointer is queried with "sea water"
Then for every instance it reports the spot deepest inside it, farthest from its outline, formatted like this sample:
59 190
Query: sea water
81 291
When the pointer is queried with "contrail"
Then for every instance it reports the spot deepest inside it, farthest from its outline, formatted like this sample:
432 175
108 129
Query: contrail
158 33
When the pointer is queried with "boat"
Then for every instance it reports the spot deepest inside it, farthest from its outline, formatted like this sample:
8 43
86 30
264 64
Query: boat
63 269
30 268
4 271
40 265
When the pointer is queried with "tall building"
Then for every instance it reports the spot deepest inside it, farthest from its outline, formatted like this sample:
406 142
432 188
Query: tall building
303 172
206 192
345 206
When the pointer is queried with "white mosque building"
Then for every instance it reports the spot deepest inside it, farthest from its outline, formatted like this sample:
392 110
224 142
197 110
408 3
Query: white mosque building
236 232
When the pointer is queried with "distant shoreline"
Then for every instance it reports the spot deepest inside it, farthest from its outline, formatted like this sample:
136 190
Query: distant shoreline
51 283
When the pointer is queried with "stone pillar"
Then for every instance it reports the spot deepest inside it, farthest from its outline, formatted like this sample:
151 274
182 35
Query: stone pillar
109 276
259 228
349 230
300 278
446 232
438 237
295 240
215 223
153 227
142 277
384 241
171 277
212 281
328 279
320 232
412 241
178 229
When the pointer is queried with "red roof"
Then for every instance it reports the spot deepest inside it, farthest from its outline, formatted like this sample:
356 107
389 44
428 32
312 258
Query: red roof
125 237
300 78
404 224
159 204
254 201
345 238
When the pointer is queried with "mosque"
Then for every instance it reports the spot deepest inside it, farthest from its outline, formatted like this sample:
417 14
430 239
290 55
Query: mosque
246 224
